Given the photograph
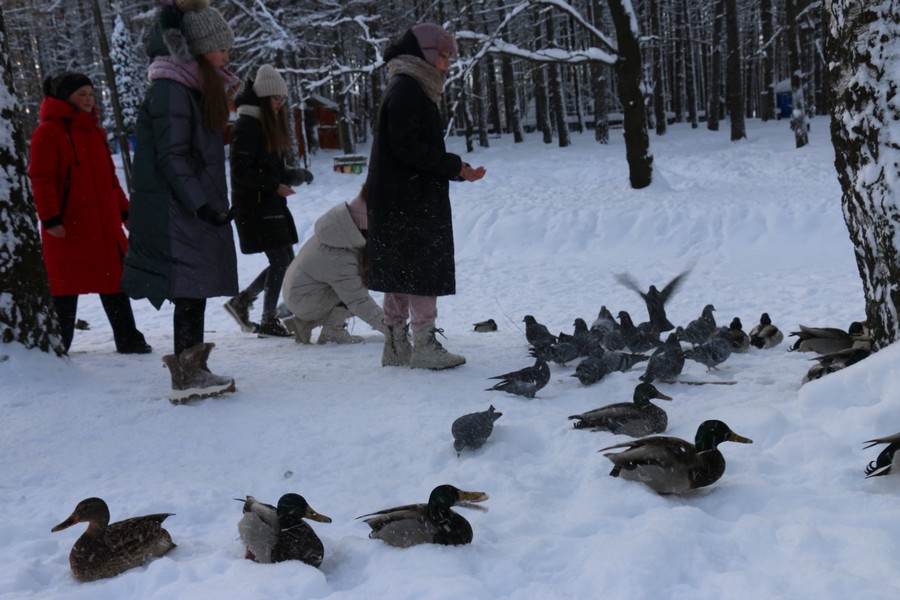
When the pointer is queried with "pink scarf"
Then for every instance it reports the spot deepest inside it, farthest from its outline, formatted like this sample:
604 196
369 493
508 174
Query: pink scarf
166 67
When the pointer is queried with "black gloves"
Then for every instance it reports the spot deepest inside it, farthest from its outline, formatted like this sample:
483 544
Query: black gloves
298 176
214 217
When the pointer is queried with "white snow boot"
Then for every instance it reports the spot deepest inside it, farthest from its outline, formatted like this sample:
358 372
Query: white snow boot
397 349
427 352
301 329
334 329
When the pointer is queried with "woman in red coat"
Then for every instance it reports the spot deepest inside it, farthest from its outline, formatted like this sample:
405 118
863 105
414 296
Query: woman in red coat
82 209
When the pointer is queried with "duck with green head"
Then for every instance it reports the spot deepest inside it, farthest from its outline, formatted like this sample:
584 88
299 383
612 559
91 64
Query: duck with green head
431 523
105 550
275 534
637 418
671 465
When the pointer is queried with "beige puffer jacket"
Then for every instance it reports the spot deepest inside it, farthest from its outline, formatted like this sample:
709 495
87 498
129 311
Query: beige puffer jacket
327 271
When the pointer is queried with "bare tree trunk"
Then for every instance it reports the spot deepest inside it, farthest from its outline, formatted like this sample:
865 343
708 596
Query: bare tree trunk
690 65
767 93
862 68
629 70
27 316
798 103
599 84
733 80
658 57
493 97
715 77
558 104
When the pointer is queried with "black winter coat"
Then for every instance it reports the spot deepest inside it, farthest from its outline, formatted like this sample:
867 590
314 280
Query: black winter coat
410 222
262 217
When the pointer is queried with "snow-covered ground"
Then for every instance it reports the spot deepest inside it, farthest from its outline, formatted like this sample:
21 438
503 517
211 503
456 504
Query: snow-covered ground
543 234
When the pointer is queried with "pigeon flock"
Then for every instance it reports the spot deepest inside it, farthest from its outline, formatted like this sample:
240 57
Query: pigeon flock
615 343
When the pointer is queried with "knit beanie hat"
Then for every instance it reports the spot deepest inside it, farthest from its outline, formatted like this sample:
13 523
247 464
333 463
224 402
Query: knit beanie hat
204 27
357 208
434 39
269 82
63 85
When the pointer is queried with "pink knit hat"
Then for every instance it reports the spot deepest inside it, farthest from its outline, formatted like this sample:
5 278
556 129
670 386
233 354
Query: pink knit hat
433 39
357 208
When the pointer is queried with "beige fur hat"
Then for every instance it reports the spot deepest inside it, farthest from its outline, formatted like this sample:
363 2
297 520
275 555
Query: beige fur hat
269 82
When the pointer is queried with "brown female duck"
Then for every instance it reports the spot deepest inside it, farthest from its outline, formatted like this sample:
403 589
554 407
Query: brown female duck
105 550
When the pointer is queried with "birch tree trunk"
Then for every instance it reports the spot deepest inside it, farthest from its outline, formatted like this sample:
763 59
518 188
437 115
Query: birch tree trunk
798 103
767 85
861 51
715 77
599 85
27 315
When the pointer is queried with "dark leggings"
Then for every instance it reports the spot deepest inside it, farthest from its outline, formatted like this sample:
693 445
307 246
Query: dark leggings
118 311
188 322
271 278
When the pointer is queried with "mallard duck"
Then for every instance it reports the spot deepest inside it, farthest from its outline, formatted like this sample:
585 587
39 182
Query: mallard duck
485 326
638 418
277 534
734 333
105 550
835 361
765 334
825 340
432 523
473 429
882 465
671 465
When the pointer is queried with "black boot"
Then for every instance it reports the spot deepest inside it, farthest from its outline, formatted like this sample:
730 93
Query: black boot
239 308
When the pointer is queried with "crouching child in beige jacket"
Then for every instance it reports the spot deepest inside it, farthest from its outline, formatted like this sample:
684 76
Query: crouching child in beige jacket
325 283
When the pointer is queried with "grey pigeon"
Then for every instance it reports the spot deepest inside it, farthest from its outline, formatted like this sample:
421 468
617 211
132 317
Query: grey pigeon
592 369
561 353
637 340
604 321
699 330
536 333
524 382
711 353
765 335
637 418
666 362
473 429
655 299
882 465
622 361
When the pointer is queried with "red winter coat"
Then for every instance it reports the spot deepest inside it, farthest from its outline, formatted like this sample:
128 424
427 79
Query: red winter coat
89 258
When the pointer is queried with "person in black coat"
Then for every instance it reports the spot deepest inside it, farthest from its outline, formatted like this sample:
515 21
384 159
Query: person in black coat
260 184
410 226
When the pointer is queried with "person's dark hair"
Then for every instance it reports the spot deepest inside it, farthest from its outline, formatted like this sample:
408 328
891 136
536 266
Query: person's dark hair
275 127
213 95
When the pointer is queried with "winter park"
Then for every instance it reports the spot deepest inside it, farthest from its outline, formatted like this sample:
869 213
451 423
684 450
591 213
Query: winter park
562 496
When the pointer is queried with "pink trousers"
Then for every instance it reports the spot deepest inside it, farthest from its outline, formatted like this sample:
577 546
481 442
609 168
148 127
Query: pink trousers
421 310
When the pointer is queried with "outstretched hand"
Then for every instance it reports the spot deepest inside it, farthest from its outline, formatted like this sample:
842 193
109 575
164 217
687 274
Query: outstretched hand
470 174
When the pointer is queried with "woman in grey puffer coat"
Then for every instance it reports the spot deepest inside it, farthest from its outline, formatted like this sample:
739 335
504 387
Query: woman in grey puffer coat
325 283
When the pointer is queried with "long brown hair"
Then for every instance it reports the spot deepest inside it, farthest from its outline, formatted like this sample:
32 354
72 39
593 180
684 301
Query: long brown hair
274 126
214 99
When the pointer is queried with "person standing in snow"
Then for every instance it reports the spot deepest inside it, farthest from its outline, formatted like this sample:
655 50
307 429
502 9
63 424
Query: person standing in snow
325 284
410 227
181 244
260 184
82 209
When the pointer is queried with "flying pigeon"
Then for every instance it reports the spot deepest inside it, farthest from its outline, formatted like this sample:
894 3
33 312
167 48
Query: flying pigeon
655 299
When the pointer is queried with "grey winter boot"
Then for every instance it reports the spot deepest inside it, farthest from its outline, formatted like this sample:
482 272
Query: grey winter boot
397 349
239 308
334 328
427 352
191 378
301 329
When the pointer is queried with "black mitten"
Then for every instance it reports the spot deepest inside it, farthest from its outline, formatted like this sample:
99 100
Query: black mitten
298 176
213 217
